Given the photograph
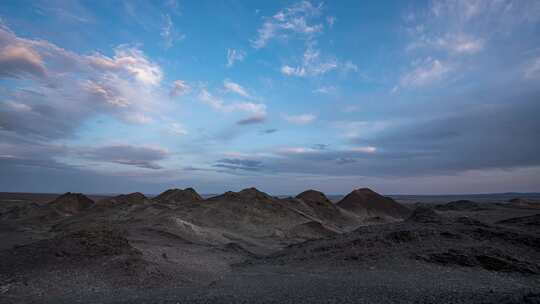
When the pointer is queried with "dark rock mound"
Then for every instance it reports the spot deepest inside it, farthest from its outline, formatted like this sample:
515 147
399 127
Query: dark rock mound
72 203
248 194
485 257
523 202
132 198
313 197
322 207
178 196
367 202
425 215
461 205
532 221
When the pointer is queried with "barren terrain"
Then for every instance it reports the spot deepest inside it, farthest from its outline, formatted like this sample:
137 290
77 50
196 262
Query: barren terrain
251 247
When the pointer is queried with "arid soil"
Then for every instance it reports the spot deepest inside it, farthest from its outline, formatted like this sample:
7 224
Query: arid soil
250 247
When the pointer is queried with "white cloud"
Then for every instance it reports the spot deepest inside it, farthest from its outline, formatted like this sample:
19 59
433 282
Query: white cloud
325 90
233 87
367 149
295 19
425 72
180 87
532 70
138 118
330 20
60 83
348 66
105 93
295 150
360 129
130 60
312 65
18 107
302 119
290 71
254 109
453 43
234 56
178 129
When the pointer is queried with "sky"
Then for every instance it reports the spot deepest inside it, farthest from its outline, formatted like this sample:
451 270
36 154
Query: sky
404 97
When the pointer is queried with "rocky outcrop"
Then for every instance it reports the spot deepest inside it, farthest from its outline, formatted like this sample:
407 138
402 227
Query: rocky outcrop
174 196
72 203
368 203
132 198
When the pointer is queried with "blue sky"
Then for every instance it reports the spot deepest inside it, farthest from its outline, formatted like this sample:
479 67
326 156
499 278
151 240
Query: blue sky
400 96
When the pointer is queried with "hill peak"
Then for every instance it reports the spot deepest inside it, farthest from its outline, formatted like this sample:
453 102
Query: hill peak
176 195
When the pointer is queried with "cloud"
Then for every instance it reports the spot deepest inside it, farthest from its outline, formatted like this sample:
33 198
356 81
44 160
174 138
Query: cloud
462 44
293 20
314 64
105 93
301 119
269 131
330 20
361 129
137 118
532 69
348 66
325 90
295 150
368 149
239 164
18 60
169 33
235 88
218 104
180 87
426 72
320 146
142 157
130 61
256 111
290 71
178 129
252 120
56 90
234 56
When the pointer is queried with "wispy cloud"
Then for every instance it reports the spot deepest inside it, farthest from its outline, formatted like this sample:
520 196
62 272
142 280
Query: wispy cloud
177 128
138 156
532 69
169 33
314 64
180 87
425 72
301 119
234 87
293 20
234 56
325 90
257 111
